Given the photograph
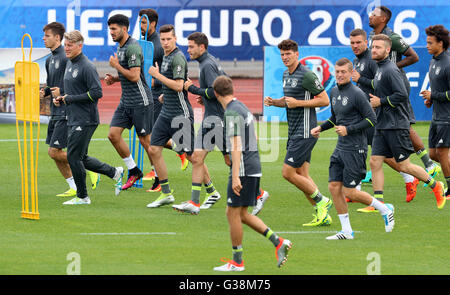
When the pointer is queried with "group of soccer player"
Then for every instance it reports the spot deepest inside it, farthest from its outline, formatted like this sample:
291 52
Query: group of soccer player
376 111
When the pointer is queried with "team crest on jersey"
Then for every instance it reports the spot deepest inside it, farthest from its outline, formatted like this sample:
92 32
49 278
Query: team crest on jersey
178 69
344 100
56 64
294 82
362 66
75 73
133 57
378 75
438 70
333 100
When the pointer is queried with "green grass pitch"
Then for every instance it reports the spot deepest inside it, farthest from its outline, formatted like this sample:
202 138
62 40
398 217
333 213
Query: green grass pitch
179 244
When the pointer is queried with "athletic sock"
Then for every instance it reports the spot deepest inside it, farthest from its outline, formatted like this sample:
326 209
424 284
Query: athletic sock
165 188
268 233
71 183
129 162
379 206
379 196
317 196
210 187
153 168
431 182
237 254
407 177
195 195
423 155
345 223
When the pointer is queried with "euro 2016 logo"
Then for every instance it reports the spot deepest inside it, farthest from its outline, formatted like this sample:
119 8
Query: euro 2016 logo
324 71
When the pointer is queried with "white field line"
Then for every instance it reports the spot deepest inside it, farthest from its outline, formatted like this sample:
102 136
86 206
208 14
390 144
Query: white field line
311 232
129 234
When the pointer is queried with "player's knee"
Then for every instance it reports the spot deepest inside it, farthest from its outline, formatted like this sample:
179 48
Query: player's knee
287 173
113 137
375 163
53 153
441 155
334 187
196 159
433 155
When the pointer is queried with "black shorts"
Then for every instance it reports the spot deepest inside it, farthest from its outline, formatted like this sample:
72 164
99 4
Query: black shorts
179 129
57 134
348 167
394 143
139 117
439 136
157 106
298 151
211 134
248 193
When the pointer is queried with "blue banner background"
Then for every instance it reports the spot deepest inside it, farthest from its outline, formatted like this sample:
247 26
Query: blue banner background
238 29
274 68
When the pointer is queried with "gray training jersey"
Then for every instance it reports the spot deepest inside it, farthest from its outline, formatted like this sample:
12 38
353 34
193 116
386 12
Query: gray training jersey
389 87
439 73
134 94
55 66
302 84
83 89
175 104
366 67
239 122
350 108
209 71
158 55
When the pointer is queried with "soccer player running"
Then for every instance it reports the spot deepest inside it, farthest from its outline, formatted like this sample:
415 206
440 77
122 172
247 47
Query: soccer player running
244 179
136 103
158 54
55 65
211 132
176 119
303 93
391 138
82 90
439 97
351 116
363 75
378 20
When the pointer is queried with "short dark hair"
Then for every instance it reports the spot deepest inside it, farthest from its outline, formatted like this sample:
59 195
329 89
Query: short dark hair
383 37
440 33
223 86
386 11
358 32
119 19
345 61
56 28
199 39
167 29
150 13
288 44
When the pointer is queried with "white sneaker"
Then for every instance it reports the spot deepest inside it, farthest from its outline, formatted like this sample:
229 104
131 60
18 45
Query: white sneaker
389 221
230 266
210 200
162 200
260 203
341 236
78 201
187 207
118 178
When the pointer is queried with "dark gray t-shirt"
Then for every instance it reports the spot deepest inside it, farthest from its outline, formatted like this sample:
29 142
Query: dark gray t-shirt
440 88
302 84
174 67
350 108
239 122
83 89
134 94
55 65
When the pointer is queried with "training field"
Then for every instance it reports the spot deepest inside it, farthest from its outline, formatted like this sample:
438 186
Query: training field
119 235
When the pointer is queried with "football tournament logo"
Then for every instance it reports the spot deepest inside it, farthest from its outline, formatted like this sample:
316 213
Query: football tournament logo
324 71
